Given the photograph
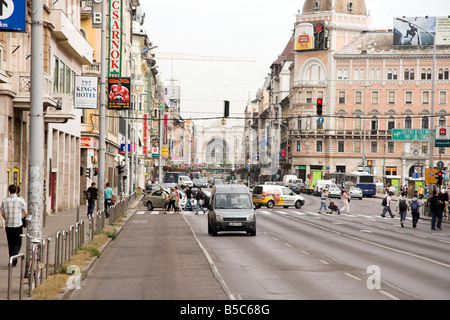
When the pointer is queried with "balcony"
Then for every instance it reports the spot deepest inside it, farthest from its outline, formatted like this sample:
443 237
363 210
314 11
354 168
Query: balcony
309 83
22 85
70 38
62 112
93 70
385 134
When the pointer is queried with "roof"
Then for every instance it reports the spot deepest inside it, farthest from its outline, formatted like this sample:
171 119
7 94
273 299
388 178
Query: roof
381 43
288 53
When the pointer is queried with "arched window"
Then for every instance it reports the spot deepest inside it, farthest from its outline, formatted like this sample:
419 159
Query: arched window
425 122
408 122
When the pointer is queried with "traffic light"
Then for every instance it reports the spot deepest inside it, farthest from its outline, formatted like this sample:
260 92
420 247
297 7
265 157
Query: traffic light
319 106
121 169
226 111
95 171
439 178
88 172
289 148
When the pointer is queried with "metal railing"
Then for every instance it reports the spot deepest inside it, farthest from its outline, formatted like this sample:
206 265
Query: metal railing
67 243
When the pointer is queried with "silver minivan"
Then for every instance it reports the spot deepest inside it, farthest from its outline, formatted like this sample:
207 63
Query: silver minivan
231 209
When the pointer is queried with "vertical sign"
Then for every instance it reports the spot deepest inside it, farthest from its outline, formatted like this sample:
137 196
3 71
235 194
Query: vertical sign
304 37
145 148
12 15
97 14
115 38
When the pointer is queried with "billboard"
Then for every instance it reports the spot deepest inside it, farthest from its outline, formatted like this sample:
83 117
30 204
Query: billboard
119 93
411 31
115 38
310 36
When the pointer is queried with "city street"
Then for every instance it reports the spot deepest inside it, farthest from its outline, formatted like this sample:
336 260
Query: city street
296 254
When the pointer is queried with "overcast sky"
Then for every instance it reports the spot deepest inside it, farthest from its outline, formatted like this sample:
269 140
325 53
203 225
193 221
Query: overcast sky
239 28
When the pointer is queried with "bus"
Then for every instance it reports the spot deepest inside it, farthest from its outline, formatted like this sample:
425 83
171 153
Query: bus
362 180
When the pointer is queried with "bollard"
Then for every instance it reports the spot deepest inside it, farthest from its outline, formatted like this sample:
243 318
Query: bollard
22 258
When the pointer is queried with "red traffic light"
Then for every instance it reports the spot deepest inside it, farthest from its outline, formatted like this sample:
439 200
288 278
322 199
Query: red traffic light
319 101
439 174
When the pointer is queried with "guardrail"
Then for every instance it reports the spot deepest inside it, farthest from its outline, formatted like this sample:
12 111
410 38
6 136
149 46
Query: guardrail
67 243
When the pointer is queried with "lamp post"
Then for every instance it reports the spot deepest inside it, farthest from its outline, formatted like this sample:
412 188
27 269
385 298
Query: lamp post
433 89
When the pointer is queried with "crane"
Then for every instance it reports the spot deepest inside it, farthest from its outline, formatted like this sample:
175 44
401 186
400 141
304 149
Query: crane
196 57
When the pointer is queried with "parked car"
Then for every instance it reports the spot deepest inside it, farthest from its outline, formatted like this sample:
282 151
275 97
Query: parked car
355 192
231 209
154 200
151 187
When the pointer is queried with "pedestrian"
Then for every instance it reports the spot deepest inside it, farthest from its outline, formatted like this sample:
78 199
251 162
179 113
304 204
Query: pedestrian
188 196
13 209
387 205
178 200
420 192
164 202
436 210
171 201
91 196
402 207
200 196
323 201
445 197
346 202
108 199
415 205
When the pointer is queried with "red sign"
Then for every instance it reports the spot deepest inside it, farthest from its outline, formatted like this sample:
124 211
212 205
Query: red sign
145 148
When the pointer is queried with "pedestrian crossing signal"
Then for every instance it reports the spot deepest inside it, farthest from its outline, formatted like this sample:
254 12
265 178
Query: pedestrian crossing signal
95 171
319 107
439 178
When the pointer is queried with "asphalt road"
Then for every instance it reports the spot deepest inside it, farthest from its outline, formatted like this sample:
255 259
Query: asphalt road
296 254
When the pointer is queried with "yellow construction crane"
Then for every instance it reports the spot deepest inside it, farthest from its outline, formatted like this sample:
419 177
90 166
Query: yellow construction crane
196 57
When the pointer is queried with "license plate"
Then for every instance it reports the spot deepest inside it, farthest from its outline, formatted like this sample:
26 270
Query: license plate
234 224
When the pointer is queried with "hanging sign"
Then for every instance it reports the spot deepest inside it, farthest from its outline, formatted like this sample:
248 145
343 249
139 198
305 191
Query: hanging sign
115 38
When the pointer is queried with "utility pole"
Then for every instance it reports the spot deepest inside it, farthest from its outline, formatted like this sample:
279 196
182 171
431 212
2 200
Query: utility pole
102 124
36 155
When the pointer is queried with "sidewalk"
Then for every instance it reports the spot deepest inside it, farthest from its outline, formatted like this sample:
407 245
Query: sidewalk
54 222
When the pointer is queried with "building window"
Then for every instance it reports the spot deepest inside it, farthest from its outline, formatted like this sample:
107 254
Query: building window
358 97
298 146
391 97
409 74
341 146
425 74
341 97
392 74
391 123
358 122
425 123
375 97
443 74
391 171
357 147
319 146
308 96
341 123
442 97
425 97
441 122
408 97
390 148
373 147
408 122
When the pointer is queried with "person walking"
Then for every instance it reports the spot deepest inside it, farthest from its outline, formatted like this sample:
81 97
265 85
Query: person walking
387 205
402 207
91 196
178 200
415 205
188 197
420 192
436 210
13 209
108 199
323 201
164 201
346 201
171 201
200 196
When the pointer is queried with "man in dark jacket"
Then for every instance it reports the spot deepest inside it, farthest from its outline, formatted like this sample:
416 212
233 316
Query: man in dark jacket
436 206
91 196
200 196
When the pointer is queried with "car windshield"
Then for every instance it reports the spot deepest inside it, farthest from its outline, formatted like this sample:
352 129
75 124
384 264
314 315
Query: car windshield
233 201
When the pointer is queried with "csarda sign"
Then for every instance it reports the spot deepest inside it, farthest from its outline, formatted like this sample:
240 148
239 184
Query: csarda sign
115 38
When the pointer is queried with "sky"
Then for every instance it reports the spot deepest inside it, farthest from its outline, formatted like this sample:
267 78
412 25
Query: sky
252 29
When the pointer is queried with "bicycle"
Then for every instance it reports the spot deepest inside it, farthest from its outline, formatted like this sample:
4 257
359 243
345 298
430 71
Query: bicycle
34 264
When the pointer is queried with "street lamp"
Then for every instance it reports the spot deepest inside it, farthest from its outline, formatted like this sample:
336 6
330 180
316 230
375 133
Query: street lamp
433 89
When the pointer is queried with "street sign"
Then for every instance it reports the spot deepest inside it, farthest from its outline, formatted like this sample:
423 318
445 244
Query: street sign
442 137
320 120
12 15
430 175
411 134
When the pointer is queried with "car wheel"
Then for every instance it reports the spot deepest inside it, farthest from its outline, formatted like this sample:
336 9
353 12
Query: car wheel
149 206
252 233
298 204
270 204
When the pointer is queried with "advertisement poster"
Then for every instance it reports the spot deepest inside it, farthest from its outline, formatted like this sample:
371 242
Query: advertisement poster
304 37
119 93
115 38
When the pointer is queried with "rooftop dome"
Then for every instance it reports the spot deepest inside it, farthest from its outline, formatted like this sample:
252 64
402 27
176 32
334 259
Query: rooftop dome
357 7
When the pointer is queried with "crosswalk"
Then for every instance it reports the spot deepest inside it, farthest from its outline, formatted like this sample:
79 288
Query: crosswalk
324 215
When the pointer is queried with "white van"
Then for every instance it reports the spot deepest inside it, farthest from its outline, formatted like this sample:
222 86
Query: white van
288 178
270 196
319 186
184 181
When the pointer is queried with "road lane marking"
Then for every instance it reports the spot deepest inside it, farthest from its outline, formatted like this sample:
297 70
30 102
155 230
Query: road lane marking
352 276
372 243
389 295
323 261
